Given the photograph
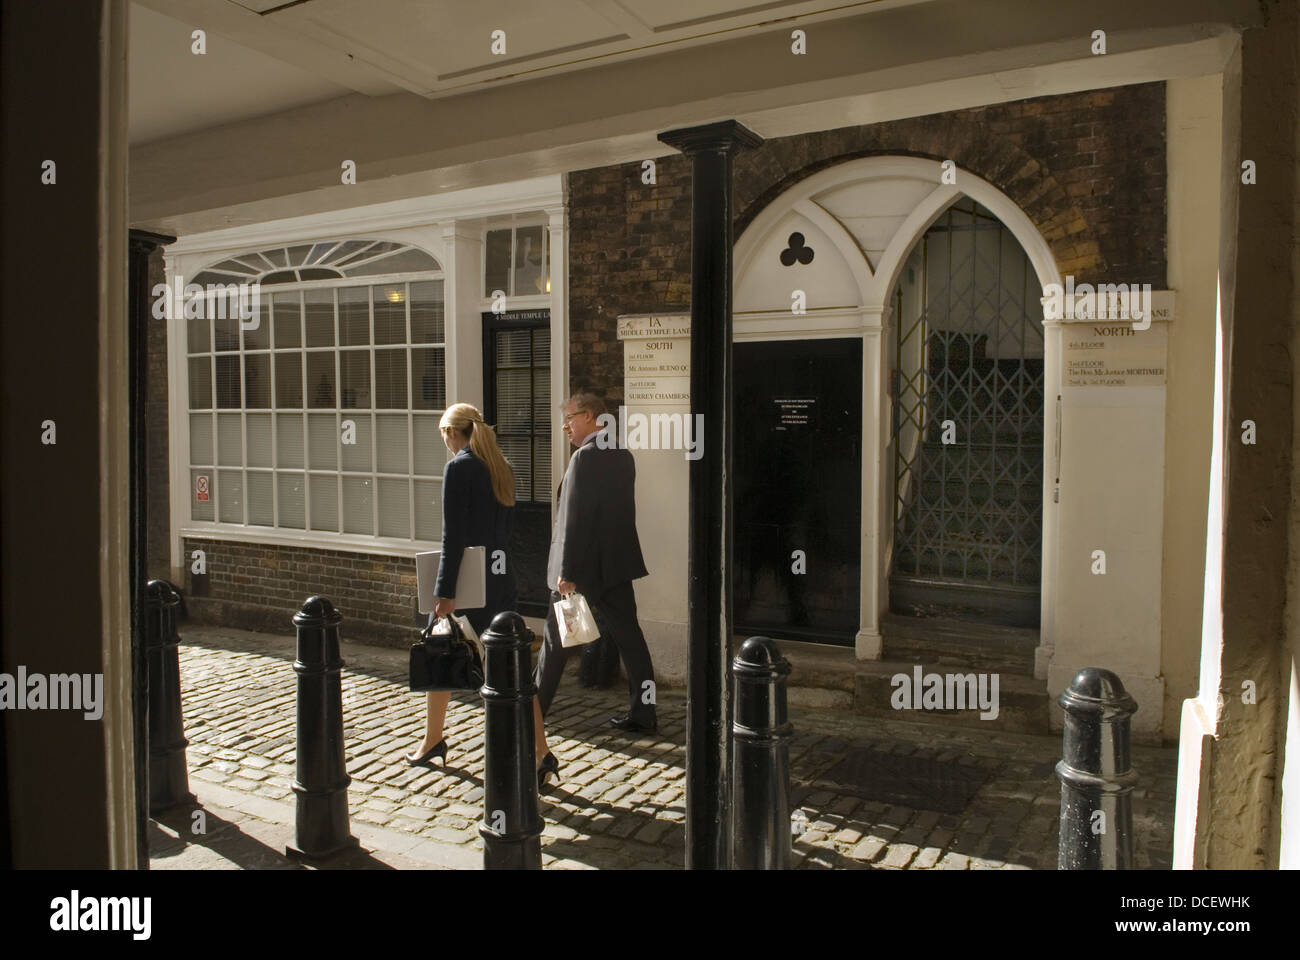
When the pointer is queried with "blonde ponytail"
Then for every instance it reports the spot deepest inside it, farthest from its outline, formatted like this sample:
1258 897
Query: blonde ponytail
483 444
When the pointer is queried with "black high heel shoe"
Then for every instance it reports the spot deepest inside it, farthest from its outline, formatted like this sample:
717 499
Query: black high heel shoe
548 766
439 749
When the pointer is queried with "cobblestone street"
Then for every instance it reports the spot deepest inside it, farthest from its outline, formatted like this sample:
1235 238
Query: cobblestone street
620 801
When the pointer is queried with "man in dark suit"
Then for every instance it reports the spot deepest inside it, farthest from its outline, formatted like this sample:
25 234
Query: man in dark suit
595 551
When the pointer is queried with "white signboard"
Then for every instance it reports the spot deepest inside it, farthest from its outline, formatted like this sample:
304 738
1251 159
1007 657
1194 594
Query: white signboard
1113 355
648 326
656 359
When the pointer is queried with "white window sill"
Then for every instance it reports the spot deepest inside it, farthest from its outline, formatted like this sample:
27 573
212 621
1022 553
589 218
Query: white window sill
309 540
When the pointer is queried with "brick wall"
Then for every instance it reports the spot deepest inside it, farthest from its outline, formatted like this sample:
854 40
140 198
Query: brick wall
629 252
1087 168
260 587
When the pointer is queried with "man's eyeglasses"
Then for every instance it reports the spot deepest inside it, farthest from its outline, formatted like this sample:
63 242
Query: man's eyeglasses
570 416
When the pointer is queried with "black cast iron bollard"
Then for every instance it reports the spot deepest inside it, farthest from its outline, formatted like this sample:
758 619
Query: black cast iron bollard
512 827
1096 779
169 782
321 780
760 758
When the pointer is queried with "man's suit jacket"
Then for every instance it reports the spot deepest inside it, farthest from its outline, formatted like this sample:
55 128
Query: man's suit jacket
594 543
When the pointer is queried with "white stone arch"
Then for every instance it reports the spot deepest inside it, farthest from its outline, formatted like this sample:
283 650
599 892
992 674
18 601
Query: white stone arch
912 191
877 282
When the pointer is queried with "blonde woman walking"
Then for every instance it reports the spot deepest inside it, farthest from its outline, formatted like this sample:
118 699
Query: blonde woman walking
478 498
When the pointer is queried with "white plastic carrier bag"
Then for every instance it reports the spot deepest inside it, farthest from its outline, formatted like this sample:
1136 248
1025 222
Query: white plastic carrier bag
577 625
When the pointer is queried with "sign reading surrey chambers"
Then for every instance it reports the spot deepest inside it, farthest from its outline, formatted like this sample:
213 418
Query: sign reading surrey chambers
656 359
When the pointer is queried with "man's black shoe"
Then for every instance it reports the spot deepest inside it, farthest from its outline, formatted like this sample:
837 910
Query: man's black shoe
628 725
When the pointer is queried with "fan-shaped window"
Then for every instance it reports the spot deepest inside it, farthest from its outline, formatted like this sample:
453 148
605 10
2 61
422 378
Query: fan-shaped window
333 260
319 412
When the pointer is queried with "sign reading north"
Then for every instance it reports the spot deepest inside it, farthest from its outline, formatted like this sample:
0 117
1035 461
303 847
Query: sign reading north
1114 355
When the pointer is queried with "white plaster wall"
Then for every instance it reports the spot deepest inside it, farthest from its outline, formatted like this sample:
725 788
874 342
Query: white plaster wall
1112 465
1194 120
661 523
873 211
766 285
1200 714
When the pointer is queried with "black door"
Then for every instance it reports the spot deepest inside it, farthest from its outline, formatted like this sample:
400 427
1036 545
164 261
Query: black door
798 488
517 398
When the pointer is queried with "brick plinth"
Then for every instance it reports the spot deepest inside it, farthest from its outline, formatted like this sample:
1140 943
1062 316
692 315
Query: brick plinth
257 586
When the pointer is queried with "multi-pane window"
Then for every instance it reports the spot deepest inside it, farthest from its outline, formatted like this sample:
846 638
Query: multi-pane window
322 417
516 262
522 382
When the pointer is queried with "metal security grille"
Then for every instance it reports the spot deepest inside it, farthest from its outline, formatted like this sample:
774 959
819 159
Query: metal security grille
968 425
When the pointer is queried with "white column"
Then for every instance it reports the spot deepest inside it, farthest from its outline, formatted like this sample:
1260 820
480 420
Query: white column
178 421
873 586
1051 508
462 254
559 260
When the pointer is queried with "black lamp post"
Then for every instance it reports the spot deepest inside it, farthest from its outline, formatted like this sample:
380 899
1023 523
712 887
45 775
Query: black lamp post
708 643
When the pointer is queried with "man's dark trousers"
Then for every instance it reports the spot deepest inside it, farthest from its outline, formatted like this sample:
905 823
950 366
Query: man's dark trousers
615 613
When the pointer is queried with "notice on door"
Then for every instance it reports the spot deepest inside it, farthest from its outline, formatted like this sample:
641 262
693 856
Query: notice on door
656 359
1113 355
793 413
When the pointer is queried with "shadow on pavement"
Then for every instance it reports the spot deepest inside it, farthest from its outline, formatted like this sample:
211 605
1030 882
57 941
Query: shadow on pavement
225 839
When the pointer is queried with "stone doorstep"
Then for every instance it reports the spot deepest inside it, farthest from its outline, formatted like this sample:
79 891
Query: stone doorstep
825 676
1022 701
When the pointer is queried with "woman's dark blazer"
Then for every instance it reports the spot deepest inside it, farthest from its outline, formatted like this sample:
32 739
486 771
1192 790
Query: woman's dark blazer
472 517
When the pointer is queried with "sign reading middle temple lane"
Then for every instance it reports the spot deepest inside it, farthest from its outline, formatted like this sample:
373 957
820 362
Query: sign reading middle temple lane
654 326
656 359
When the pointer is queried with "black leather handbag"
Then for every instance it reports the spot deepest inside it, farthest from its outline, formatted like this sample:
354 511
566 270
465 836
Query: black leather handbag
444 659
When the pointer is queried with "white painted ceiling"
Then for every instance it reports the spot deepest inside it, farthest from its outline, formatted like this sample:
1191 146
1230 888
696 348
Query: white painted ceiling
174 91
266 56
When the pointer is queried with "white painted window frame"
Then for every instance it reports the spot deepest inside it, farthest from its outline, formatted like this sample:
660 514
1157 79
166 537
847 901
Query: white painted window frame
514 225
306 411
427 223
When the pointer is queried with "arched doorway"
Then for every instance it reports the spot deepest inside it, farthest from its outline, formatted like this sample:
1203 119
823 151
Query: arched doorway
863 220
967 381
